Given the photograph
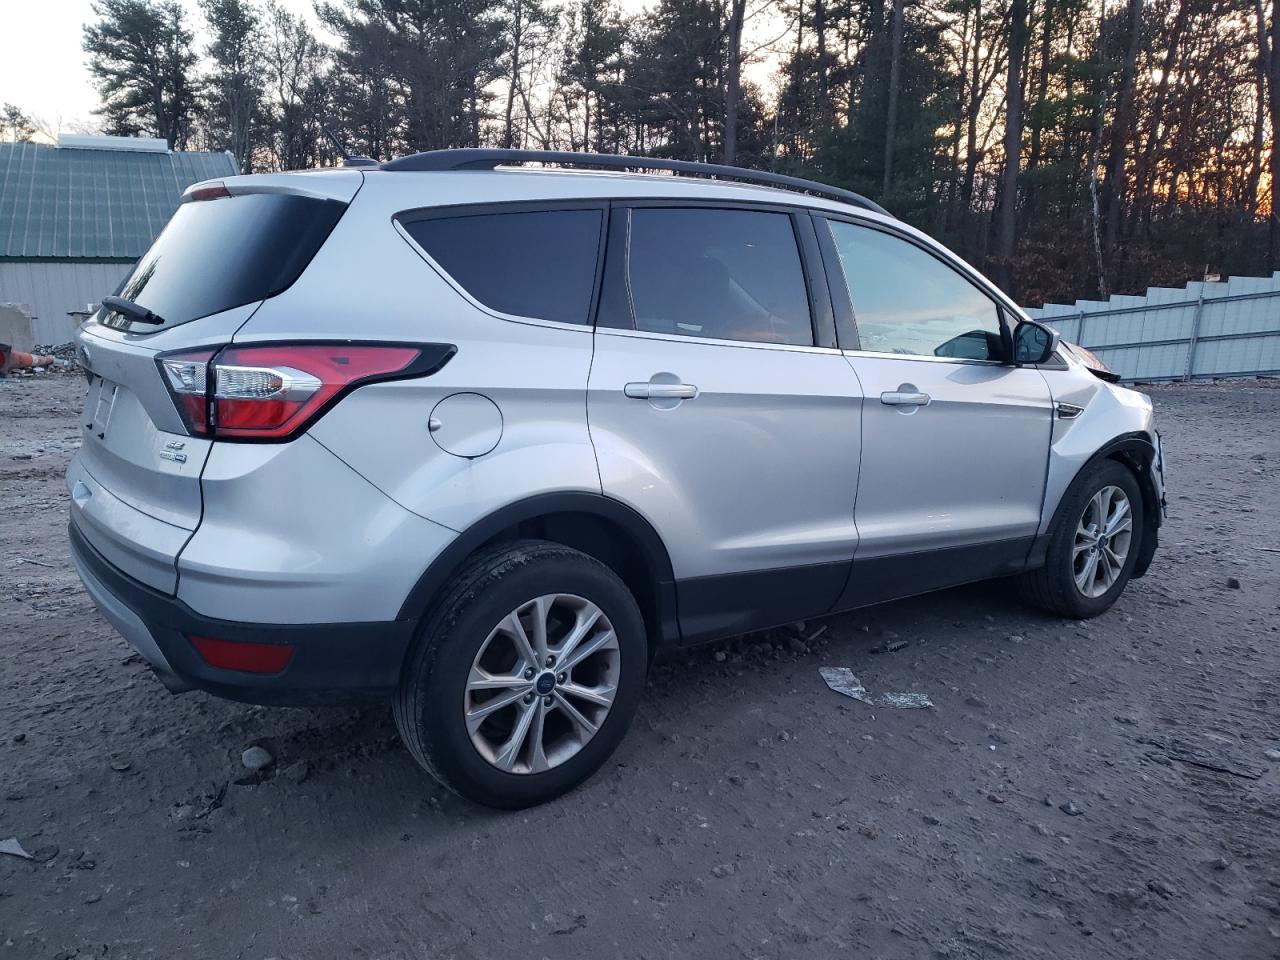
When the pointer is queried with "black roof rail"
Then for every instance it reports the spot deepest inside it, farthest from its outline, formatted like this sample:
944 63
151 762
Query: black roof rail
480 158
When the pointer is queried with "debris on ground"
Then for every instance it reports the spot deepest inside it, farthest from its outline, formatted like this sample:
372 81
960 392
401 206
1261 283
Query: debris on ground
13 848
257 758
842 680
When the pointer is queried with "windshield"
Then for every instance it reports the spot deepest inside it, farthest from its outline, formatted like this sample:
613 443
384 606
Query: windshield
217 254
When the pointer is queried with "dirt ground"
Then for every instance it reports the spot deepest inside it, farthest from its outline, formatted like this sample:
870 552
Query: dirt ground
1093 790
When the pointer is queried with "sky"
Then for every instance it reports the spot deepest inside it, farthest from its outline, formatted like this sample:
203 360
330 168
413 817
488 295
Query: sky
42 68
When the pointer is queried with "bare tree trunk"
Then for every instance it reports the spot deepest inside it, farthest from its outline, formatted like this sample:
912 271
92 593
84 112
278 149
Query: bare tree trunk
824 72
1121 130
517 37
895 76
971 134
733 91
1273 232
1262 70
1095 145
1042 91
1007 207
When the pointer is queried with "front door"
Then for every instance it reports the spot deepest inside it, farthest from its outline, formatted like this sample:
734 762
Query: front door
955 441
714 414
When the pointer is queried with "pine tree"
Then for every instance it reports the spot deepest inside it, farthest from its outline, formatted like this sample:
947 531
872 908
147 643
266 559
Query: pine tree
141 57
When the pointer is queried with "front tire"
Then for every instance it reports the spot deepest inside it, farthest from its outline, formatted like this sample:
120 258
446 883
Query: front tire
525 675
1093 546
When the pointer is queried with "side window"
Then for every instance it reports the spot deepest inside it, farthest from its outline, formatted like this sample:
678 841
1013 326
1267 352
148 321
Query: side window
539 264
723 274
907 301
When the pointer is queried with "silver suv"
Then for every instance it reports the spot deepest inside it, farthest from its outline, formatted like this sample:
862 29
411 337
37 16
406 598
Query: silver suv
480 440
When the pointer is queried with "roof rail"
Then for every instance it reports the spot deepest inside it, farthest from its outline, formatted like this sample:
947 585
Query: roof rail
476 158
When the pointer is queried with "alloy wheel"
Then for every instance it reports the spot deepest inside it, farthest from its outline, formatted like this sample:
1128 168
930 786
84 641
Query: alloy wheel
1104 534
542 683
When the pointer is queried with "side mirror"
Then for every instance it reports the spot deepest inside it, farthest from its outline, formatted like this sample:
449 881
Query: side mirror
1033 343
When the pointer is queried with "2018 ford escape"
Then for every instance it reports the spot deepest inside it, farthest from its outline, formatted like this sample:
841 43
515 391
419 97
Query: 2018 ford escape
479 439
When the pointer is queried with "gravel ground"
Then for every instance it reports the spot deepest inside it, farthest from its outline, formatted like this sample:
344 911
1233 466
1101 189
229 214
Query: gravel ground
1103 789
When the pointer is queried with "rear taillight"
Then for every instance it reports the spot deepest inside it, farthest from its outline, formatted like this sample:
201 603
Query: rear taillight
273 392
187 377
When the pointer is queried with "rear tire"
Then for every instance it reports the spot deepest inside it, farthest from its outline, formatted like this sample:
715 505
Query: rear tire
472 707
1092 552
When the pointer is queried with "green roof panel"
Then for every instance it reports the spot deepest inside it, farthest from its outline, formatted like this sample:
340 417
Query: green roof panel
76 203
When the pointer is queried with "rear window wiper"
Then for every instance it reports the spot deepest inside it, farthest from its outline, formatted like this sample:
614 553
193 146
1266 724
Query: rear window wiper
132 310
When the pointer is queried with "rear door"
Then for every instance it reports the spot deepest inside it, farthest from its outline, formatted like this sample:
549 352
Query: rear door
721 411
135 483
955 441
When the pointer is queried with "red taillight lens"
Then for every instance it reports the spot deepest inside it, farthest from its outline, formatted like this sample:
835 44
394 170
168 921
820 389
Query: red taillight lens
187 377
272 392
245 657
267 392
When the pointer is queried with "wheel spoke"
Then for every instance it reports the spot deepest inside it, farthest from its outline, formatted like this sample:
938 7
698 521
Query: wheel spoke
582 722
538 754
604 640
541 607
587 619
1105 573
599 696
1116 561
1096 507
1120 519
481 679
506 757
1086 576
476 716
511 625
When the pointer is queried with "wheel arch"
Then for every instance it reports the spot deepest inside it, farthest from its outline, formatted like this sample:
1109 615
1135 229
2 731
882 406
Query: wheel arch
1135 451
599 526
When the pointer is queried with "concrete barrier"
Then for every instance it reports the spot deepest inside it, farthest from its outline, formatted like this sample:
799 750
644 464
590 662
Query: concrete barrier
15 326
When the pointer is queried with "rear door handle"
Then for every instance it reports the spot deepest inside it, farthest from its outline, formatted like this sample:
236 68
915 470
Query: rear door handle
660 391
895 398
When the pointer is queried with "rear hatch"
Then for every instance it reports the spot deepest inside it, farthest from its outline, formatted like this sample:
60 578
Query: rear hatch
135 484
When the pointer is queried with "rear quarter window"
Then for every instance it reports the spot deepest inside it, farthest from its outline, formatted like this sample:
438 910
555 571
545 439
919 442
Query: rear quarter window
529 263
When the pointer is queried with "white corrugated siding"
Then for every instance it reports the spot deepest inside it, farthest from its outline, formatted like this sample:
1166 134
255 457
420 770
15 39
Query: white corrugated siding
1141 343
52 289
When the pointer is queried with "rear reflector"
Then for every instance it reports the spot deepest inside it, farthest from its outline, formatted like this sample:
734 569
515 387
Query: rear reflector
245 657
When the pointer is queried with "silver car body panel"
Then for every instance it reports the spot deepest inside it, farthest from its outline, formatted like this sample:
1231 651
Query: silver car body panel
292 535
755 472
1110 411
965 468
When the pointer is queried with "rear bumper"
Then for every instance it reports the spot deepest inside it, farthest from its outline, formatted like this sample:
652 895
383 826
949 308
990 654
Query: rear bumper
331 661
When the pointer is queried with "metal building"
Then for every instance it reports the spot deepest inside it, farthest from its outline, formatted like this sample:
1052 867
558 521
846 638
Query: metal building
74 218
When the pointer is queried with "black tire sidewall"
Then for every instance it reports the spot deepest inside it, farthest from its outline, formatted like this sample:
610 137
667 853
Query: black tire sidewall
453 635
1104 474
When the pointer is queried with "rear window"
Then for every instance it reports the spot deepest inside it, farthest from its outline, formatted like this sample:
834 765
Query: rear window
217 254
539 263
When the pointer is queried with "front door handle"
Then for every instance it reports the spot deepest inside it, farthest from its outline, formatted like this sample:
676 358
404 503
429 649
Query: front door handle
660 391
897 398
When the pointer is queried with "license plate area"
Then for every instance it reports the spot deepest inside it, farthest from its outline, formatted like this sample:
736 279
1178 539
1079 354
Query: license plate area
99 404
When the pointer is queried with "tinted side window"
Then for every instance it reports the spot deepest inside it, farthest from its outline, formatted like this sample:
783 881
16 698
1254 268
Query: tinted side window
907 301
538 264
725 274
